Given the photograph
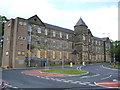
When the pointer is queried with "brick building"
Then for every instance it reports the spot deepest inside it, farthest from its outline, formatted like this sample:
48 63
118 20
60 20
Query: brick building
33 42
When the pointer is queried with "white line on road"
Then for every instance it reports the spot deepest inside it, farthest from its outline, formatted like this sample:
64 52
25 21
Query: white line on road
106 77
53 79
66 81
82 83
90 76
108 68
92 84
87 82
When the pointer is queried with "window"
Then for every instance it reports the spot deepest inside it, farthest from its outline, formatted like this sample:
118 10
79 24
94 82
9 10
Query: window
23 53
83 37
21 38
54 55
45 54
46 42
60 34
66 36
67 55
39 30
54 43
89 39
9 24
46 32
19 53
96 42
30 28
54 34
22 23
7 53
60 44
60 55
38 53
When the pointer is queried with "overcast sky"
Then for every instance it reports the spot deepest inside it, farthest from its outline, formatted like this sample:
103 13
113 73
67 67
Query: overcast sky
101 16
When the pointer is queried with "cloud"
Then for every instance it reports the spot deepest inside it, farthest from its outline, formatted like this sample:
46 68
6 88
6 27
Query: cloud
100 20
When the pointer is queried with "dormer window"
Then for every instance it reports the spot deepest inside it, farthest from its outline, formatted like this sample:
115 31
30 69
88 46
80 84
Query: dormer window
35 19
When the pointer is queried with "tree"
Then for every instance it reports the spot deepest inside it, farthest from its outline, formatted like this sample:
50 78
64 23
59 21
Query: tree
3 20
115 50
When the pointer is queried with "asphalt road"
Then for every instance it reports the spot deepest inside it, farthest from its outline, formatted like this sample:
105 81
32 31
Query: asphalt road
97 73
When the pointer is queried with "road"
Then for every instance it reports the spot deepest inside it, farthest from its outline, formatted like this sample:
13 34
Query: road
97 73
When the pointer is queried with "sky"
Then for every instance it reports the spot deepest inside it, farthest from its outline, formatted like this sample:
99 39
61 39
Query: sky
101 16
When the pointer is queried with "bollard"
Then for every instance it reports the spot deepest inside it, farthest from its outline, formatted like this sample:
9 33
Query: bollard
71 64
83 63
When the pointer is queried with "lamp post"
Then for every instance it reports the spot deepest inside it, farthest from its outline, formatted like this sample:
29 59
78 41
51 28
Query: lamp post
63 59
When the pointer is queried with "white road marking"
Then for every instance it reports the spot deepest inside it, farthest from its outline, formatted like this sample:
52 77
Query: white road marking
92 84
108 68
70 80
66 81
87 82
47 78
9 85
59 80
74 82
15 87
106 77
53 79
63 79
115 80
90 76
82 83
42 77
38 76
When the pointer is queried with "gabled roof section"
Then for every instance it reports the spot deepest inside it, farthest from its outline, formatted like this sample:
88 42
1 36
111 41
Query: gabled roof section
35 20
58 28
81 23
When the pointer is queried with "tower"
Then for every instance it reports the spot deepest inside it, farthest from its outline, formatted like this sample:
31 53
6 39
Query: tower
81 40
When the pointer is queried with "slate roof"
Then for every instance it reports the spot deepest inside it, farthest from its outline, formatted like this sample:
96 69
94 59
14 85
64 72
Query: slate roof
103 39
58 28
81 23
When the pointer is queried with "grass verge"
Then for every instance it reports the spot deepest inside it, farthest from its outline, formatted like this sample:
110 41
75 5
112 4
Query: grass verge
58 65
116 66
65 71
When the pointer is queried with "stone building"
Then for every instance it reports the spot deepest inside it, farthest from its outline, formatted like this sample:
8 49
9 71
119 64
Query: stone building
31 42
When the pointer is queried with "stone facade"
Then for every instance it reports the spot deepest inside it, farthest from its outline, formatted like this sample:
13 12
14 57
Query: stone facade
33 38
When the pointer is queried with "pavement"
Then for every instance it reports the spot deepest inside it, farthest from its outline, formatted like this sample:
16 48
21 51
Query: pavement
31 78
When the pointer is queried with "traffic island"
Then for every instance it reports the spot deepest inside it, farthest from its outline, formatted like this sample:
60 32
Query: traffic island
64 71
54 72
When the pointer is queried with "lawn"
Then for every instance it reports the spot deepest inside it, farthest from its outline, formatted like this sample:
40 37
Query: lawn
65 71
58 65
117 65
